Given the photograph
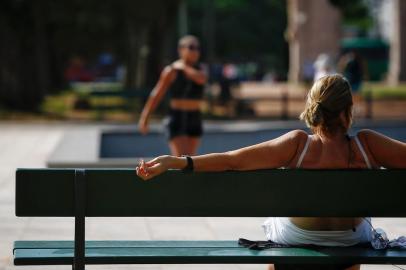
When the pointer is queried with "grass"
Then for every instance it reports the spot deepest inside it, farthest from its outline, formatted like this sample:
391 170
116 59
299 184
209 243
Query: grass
57 106
84 88
382 91
62 106
113 108
6 114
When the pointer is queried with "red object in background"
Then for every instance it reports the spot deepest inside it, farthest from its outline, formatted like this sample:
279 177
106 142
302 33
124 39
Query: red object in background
77 71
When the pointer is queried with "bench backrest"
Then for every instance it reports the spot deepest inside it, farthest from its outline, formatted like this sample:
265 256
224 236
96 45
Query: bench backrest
119 192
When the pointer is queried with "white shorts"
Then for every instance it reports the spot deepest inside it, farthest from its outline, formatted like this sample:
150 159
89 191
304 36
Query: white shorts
282 231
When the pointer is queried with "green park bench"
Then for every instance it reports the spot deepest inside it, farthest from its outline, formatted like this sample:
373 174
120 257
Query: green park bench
113 193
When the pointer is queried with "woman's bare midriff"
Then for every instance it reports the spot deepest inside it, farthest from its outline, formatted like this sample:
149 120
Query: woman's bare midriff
326 224
186 104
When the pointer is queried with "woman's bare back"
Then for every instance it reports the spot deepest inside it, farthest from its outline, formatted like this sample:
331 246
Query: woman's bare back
334 153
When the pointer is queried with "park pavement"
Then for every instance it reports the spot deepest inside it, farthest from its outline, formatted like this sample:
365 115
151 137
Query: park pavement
29 145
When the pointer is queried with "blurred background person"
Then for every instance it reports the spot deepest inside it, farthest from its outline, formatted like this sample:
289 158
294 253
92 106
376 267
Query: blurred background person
353 68
323 66
184 79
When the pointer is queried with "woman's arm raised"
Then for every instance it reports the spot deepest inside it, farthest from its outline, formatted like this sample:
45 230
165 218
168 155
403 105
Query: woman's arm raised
275 153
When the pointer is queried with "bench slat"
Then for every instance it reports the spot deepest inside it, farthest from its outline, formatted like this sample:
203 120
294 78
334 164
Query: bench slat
113 244
120 193
195 252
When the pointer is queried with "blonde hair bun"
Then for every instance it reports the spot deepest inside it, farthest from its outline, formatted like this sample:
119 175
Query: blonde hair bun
327 99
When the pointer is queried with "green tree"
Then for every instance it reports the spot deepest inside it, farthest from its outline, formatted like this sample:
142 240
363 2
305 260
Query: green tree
355 12
39 37
244 30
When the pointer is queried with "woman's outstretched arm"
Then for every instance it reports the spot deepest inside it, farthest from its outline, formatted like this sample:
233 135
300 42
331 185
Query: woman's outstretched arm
275 153
386 152
155 97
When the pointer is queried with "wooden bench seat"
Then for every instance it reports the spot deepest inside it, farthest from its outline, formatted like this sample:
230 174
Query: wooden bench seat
193 252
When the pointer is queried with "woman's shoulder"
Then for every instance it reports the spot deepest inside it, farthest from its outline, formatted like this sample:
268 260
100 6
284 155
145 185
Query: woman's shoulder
168 73
168 69
366 135
296 136
297 133
371 137
290 140
386 151
366 132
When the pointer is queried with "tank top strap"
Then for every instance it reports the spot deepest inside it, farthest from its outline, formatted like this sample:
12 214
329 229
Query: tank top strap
362 150
302 155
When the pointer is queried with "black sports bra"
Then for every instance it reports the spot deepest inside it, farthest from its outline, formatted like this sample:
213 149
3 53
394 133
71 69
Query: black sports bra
184 88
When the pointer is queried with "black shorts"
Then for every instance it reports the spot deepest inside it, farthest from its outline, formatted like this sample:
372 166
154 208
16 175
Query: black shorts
187 123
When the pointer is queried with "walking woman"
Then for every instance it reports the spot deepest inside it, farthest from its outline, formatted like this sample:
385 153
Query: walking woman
328 113
185 80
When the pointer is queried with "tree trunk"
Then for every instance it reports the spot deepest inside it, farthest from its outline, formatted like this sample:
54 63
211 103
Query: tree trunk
24 76
142 63
182 18
41 48
402 25
132 54
394 61
397 64
209 30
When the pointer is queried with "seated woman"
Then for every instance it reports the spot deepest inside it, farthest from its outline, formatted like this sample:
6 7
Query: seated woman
328 113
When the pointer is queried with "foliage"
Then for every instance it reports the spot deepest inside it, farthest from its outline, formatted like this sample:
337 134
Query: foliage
227 4
382 91
246 31
355 13
40 37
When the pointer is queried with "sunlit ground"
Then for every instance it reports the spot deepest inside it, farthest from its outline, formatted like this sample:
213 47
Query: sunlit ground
28 145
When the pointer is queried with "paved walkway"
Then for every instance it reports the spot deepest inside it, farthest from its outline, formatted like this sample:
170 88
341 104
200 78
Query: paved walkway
29 145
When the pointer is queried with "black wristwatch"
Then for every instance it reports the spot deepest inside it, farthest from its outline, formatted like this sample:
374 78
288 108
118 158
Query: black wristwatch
189 166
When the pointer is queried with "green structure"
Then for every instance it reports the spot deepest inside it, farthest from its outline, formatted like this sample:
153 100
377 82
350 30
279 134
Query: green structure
374 51
115 193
